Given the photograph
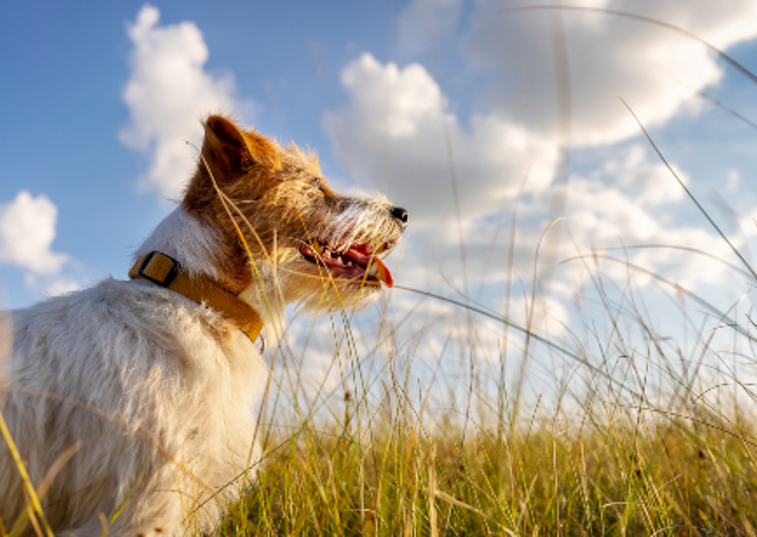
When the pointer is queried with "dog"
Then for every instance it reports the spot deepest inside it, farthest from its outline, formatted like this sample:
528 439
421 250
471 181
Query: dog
132 403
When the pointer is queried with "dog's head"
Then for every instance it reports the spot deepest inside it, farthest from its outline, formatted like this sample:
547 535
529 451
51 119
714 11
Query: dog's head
285 229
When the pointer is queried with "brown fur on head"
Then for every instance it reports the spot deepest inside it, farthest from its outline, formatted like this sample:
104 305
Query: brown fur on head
292 222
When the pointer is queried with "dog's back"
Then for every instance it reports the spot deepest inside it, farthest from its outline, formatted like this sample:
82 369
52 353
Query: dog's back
139 378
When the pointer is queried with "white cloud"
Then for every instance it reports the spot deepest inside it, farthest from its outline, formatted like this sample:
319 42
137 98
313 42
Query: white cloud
168 93
402 136
27 231
652 68
601 216
650 183
395 130
734 181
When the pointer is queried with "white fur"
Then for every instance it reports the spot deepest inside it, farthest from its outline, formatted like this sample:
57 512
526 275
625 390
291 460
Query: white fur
158 391
187 240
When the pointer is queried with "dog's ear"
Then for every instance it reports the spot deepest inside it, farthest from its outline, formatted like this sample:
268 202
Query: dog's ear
229 151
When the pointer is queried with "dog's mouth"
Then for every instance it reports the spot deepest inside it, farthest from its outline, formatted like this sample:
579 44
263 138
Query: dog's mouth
358 262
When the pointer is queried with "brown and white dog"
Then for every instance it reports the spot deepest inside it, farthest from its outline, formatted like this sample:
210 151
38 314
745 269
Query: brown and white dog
132 403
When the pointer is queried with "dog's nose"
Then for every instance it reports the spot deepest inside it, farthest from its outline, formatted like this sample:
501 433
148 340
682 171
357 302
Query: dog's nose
400 214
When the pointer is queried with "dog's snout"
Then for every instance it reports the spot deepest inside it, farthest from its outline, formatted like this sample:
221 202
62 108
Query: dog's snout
400 214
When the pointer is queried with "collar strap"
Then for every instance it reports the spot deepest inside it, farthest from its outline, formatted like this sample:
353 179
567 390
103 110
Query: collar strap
165 271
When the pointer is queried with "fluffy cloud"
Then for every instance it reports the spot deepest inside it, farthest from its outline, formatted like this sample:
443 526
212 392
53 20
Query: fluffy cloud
27 231
653 69
404 137
168 93
650 183
401 138
600 217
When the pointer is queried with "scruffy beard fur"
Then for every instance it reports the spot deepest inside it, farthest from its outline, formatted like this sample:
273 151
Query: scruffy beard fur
134 405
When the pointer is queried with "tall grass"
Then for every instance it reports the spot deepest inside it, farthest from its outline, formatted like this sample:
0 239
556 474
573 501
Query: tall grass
618 456
668 477
640 449
633 443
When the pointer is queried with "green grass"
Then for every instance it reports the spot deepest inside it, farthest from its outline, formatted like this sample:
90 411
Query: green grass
626 472
645 453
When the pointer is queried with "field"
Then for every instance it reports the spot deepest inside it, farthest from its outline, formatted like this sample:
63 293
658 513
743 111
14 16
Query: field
638 448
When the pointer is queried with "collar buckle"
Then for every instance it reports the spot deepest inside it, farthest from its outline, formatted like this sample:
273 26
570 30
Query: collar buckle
162 258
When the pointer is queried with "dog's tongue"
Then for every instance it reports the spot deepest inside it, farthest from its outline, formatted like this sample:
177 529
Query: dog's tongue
373 265
382 273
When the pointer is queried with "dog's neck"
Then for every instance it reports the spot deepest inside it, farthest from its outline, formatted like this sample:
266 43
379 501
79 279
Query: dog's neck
195 246
201 249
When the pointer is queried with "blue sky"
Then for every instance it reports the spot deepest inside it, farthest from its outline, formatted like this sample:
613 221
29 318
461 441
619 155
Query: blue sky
402 98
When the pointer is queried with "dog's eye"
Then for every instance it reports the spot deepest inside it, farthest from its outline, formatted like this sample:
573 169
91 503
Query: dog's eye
317 184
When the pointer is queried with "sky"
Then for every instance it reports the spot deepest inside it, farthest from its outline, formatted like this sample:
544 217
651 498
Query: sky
472 115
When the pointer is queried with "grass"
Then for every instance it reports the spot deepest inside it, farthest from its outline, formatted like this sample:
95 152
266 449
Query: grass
613 480
629 442
604 460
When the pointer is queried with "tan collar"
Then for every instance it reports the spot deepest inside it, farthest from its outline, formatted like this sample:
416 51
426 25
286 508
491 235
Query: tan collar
166 272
